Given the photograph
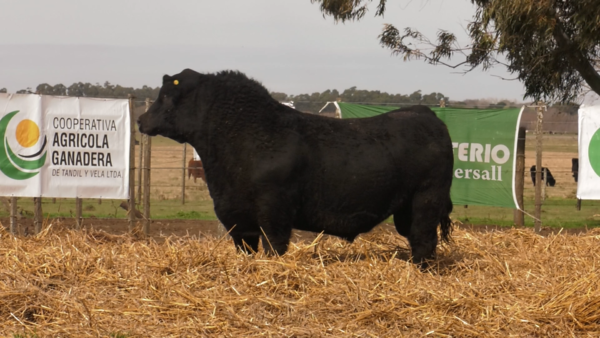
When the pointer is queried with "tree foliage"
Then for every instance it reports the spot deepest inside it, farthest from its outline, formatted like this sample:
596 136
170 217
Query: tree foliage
307 102
108 90
551 46
355 95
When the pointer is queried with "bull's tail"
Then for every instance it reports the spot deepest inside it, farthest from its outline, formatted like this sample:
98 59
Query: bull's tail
446 222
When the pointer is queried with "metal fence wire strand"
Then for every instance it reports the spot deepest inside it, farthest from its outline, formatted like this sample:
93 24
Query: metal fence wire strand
168 176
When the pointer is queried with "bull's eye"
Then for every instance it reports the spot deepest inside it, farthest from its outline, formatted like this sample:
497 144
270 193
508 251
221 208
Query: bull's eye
176 82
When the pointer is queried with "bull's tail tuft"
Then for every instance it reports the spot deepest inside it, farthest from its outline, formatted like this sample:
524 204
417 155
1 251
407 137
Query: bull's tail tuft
446 222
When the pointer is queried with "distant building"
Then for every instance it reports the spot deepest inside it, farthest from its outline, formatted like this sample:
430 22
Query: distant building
289 104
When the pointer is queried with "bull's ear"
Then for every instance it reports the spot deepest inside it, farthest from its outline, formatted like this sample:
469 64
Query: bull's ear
166 79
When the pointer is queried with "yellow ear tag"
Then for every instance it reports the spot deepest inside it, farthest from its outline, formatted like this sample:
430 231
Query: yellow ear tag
176 82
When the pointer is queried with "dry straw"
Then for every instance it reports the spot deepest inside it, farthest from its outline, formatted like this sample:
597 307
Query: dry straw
64 283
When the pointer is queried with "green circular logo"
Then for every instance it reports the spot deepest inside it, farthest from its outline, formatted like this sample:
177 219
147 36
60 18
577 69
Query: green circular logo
594 152
19 167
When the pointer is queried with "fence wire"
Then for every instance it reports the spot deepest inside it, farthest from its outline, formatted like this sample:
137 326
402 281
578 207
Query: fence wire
171 184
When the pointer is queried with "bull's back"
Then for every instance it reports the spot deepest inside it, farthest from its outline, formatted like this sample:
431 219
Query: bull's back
382 150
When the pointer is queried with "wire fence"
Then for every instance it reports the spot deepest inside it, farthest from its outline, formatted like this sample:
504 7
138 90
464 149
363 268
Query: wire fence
176 195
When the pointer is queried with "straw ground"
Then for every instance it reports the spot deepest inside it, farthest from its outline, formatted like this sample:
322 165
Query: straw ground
497 284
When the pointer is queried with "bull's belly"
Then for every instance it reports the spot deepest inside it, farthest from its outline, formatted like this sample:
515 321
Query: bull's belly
347 217
346 225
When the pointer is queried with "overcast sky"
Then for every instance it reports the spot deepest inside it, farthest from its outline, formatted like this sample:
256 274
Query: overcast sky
285 44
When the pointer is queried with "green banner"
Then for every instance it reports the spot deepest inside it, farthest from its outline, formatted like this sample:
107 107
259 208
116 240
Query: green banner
484 143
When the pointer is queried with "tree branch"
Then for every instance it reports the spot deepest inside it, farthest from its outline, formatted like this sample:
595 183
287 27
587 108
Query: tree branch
577 59
506 79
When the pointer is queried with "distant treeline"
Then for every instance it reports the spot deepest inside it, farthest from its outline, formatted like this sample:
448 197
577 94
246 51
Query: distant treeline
349 95
304 102
81 89
315 101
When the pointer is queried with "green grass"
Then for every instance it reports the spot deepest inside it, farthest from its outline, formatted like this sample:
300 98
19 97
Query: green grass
159 209
192 215
556 212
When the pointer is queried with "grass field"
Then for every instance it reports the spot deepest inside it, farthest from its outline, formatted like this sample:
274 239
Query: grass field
559 208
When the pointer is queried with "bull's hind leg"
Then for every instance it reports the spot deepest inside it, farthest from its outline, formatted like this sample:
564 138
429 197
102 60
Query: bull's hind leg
403 220
423 238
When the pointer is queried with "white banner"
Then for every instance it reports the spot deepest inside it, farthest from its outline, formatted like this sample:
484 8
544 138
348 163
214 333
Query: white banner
588 185
64 147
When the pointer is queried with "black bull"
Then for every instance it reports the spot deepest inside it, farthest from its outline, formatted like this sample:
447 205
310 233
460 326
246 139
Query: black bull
270 168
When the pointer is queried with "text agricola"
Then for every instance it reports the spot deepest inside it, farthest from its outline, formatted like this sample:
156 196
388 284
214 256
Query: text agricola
84 157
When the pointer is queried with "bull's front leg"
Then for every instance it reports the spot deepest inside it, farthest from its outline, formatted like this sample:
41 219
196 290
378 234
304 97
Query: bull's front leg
246 243
275 222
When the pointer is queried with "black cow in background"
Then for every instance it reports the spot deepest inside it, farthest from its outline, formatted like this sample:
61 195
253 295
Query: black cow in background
549 182
270 168
575 168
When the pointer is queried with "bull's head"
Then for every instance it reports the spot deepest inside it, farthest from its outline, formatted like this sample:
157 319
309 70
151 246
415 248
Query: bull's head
173 115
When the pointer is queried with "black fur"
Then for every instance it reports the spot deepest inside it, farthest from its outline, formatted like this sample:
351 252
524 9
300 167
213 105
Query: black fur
270 168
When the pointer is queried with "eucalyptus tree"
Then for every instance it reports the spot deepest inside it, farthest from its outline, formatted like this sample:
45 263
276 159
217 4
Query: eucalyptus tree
551 46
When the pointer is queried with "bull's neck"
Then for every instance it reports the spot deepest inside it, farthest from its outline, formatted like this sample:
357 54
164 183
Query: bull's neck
218 132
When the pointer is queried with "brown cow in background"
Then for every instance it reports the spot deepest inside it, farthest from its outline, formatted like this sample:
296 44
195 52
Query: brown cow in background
196 169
